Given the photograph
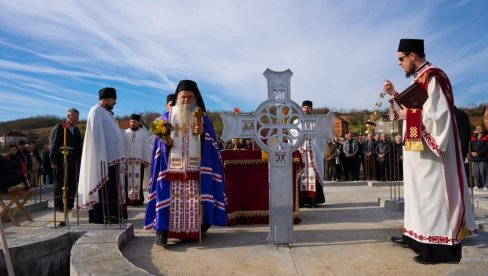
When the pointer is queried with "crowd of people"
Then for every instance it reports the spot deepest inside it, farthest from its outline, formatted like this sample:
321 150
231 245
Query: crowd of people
379 157
374 157
24 167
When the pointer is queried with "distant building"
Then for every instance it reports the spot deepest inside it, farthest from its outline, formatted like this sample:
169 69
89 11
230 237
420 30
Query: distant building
13 136
385 126
341 126
124 124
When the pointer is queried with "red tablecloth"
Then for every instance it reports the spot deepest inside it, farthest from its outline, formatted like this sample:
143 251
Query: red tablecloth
247 188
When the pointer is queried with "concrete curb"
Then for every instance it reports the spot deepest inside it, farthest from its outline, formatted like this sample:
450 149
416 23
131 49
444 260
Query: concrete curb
100 248
43 252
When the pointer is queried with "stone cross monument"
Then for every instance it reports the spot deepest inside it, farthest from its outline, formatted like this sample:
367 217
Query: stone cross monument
279 127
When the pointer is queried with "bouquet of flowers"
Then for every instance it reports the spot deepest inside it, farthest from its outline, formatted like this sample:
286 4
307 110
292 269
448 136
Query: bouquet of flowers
161 128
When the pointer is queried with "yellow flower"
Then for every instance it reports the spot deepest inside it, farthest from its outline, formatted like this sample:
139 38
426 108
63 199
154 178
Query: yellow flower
161 128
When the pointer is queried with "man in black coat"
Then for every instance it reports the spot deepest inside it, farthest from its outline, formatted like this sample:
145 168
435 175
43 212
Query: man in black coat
74 142
464 131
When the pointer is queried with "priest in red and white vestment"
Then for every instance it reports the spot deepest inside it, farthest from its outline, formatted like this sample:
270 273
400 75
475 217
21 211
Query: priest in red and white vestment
186 190
104 143
312 157
138 155
438 212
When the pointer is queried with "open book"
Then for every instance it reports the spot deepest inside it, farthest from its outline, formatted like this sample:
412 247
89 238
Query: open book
412 97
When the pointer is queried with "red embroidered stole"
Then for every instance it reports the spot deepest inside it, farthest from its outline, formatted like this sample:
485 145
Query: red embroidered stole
446 88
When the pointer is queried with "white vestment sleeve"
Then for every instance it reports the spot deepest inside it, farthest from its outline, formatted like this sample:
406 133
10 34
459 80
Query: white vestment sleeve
436 116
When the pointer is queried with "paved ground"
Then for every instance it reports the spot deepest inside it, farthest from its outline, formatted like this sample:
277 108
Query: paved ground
347 236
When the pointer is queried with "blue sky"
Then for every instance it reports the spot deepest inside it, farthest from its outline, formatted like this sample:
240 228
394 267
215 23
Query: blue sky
57 54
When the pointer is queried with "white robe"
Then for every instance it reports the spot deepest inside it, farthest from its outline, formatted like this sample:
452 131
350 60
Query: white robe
312 153
433 206
103 142
138 153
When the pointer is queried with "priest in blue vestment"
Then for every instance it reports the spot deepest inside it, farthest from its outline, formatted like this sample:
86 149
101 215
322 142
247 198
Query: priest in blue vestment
186 189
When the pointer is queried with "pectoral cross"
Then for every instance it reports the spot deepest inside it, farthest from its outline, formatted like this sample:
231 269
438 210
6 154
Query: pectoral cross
178 128
198 115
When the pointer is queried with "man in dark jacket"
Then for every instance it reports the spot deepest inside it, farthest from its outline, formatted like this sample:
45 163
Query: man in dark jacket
12 170
46 165
382 151
73 140
464 131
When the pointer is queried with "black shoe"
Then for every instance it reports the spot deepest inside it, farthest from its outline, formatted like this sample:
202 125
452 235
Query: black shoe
205 228
162 238
423 260
399 241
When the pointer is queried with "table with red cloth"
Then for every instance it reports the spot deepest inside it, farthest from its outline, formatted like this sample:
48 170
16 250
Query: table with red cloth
247 187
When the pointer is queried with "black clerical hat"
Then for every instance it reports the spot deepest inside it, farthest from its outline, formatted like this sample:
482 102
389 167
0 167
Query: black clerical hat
307 103
408 45
189 85
135 117
107 92
170 98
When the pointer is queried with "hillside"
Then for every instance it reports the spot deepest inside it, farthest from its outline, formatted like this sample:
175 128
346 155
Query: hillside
39 127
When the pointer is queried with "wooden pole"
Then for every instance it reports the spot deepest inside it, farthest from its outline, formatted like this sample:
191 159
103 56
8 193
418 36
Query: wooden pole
6 252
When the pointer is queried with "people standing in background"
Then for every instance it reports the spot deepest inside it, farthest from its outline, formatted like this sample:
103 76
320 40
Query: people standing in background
397 159
369 158
351 149
382 151
330 160
464 131
47 170
479 158
36 162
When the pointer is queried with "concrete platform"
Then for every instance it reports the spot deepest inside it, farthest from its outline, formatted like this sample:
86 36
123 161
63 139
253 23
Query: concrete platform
349 235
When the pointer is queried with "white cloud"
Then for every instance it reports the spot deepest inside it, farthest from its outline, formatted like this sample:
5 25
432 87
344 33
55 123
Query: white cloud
340 52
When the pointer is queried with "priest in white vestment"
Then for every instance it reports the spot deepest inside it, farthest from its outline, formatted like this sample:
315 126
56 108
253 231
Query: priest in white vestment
311 178
102 171
138 155
438 212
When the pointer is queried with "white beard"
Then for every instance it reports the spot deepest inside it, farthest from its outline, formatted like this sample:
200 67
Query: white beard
184 113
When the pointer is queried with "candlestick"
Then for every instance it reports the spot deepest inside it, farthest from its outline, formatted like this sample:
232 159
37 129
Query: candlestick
64 136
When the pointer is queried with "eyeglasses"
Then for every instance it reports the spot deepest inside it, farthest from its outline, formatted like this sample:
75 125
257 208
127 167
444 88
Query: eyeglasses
401 58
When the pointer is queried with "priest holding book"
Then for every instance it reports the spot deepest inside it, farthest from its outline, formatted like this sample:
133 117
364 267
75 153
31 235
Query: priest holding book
438 213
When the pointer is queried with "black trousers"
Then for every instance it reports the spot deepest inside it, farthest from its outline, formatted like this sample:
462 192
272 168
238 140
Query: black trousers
72 179
96 214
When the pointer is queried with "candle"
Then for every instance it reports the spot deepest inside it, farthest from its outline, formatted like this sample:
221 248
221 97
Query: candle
65 126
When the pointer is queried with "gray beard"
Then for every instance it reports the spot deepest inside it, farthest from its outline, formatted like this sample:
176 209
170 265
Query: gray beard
184 113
